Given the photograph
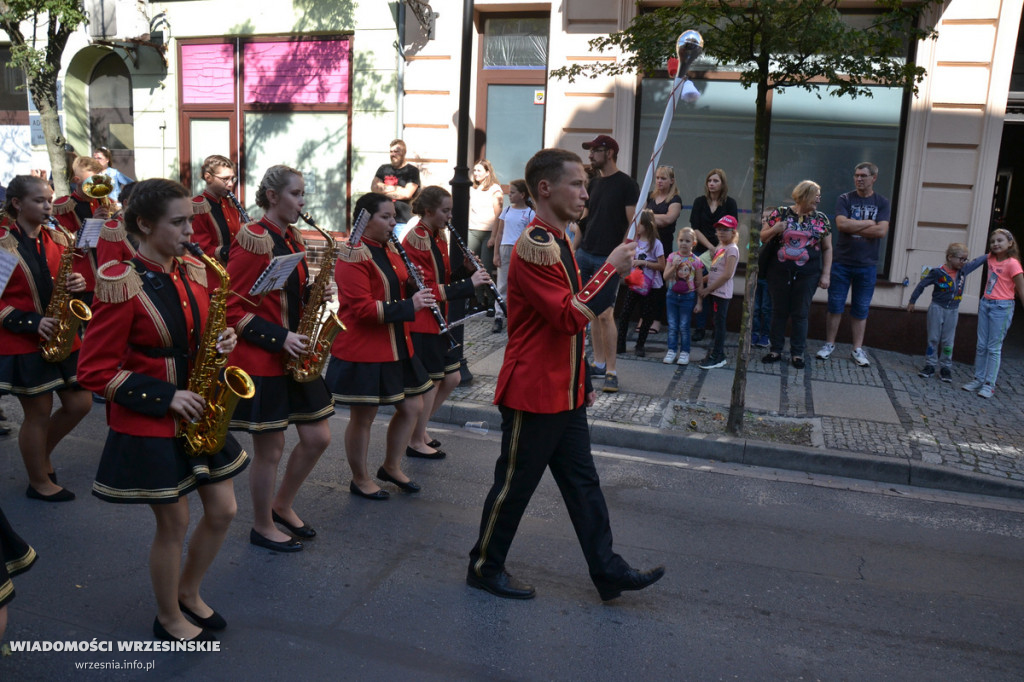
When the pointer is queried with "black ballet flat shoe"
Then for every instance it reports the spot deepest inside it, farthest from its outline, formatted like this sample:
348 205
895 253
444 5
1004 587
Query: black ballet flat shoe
630 580
379 495
305 531
440 454
434 444
407 486
501 585
289 545
62 495
214 621
160 632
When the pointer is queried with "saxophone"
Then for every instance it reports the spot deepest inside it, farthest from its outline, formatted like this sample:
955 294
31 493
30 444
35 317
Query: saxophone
207 435
69 312
320 331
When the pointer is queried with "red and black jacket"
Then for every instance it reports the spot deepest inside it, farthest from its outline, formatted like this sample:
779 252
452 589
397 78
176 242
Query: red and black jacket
216 223
429 251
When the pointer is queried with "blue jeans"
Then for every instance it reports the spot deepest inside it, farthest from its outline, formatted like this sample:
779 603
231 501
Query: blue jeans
761 317
679 308
994 318
862 279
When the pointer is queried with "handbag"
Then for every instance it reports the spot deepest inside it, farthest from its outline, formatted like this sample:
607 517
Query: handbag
768 253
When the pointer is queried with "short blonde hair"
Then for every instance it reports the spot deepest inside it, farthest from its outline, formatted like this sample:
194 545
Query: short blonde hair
805 190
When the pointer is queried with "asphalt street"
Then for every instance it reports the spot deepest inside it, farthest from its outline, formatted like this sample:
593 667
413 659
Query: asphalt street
770 575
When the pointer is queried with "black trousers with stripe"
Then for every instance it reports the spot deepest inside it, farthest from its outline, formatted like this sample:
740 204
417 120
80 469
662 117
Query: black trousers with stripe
530 443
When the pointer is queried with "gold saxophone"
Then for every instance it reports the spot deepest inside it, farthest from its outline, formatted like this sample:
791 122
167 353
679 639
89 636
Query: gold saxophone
69 312
207 435
321 331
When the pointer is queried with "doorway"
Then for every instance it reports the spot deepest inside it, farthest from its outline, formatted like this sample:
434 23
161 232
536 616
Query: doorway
111 121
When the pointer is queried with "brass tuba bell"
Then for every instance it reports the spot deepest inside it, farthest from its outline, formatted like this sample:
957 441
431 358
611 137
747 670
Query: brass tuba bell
98 187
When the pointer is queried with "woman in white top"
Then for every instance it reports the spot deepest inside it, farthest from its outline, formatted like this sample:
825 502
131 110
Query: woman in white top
511 223
485 202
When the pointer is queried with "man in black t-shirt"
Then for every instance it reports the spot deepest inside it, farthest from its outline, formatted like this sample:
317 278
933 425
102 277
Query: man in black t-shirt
613 197
398 180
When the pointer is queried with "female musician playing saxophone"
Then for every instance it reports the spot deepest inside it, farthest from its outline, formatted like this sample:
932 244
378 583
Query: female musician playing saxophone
23 326
265 343
372 361
148 321
428 250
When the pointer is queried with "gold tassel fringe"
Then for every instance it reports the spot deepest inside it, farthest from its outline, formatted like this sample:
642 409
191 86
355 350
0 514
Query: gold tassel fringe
537 246
117 288
260 244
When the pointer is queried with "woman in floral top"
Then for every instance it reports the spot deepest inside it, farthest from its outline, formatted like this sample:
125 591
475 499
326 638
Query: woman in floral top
802 235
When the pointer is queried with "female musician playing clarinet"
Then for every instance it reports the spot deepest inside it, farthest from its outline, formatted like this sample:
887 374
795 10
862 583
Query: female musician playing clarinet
372 362
23 326
148 322
265 343
428 250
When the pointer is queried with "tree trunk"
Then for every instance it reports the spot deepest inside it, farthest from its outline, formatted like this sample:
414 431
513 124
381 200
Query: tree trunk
44 94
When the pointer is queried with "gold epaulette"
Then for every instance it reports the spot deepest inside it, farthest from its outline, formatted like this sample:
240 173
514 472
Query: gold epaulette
538 247
200 205
58 237
113 231
196 270
117 282
260 243
418 238
356 255
7 240
64 205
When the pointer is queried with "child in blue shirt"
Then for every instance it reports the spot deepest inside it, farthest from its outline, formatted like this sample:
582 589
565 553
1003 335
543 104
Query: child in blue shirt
948 288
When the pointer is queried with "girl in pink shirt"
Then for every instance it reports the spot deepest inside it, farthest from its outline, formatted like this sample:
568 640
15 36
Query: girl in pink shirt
995 311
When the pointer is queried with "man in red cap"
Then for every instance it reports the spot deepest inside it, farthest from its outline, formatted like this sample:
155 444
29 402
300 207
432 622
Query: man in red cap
613 197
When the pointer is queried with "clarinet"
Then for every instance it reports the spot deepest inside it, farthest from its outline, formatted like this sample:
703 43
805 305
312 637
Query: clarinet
477 263
238 205
421 285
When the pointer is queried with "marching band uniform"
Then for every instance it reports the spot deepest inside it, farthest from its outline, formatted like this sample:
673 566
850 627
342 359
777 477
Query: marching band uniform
262 326
145 331
23 304
16 556
372 363
215 223
430 253
541 394
72 211
113 244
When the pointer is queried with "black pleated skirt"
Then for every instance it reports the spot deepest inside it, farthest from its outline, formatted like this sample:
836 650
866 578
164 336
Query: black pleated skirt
28 374
280 401
432 350
376 383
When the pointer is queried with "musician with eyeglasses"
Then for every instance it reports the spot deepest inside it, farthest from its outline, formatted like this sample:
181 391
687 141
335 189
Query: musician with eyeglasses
217 219
372 359
427 248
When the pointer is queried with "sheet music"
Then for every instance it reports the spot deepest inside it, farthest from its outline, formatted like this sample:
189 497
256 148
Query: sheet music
276 274
91 232
8 261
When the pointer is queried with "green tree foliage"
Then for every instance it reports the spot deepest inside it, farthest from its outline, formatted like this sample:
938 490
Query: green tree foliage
39 32
775 44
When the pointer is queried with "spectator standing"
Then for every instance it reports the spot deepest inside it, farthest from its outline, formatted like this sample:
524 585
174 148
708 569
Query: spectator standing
707 210
117 179
720 286
862 220
666 204
513 220
613 197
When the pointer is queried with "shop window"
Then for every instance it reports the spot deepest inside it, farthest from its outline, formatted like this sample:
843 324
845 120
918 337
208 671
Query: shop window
516 42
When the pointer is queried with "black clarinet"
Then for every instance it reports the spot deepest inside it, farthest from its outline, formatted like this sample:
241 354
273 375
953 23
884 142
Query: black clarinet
477 263
421 285
238 205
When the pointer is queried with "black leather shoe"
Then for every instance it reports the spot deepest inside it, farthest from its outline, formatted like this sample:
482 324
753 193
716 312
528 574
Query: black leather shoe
289 545
304 531
214 621
434 444
631 580
407 486
501 585
379 495
62 495
160 632
440 454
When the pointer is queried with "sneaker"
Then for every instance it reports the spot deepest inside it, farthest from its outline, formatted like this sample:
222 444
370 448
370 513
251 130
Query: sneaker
670 357
946 375
683 359
763 341
712 363
826 351
611 384
928 372
859 356
596 370
973 385
986 391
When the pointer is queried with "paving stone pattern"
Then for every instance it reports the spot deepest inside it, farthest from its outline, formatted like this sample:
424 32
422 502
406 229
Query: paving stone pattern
891 411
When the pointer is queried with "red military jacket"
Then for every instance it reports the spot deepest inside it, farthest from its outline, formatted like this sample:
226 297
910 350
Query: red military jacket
24 300
371 285
113 244
429 251
548 309
71 211
215 223
142 339
263 322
